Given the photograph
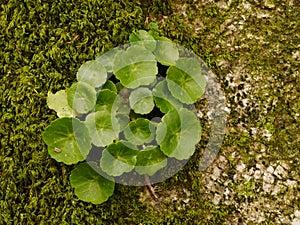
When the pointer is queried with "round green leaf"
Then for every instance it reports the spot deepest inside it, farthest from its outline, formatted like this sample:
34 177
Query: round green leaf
185 80
92 73
140 131
143 38
81 97
164 99
103 127
166 52
105 100
118 158
89 185
109 85
135 67
59 103
107 59
178 133
141 100
68 140
150 160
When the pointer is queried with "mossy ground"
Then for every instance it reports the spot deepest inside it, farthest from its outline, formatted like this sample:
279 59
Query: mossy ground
42 45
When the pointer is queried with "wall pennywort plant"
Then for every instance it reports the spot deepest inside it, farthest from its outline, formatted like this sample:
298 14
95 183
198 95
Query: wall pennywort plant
130 110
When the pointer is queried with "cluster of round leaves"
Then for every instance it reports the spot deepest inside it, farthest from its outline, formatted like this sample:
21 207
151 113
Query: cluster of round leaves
108 108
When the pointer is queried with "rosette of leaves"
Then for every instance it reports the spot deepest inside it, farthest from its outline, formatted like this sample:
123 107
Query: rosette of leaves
110 108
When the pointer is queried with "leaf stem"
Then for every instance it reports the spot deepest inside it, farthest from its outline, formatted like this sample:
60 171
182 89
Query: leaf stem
150 188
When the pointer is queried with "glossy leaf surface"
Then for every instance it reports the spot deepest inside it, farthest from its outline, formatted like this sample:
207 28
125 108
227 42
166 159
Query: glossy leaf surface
143 38
109 85
68 140
140 131
105 100
164 99
81 97
103 127
141 100
178 133
166 52
185 80
150 160
118 158
92 73
89 185
135 67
